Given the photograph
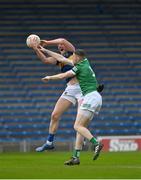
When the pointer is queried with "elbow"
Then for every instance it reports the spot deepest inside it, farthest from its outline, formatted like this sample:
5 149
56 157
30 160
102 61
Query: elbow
45 61
62 41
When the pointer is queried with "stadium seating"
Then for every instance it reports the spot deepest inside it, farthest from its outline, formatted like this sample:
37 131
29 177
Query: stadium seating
108 30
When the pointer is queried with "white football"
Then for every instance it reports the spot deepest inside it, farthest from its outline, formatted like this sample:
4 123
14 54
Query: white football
32 39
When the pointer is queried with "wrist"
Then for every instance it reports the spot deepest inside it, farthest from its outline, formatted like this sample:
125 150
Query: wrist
35 48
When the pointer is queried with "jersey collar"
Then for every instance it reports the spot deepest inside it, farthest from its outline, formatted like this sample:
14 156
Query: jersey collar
85 59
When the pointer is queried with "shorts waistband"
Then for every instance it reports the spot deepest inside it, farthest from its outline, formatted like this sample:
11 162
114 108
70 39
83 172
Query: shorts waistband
75 84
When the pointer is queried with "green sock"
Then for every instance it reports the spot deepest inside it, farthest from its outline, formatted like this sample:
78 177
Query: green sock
76 153
94 141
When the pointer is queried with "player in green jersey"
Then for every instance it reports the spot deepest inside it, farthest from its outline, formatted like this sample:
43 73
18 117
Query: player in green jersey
92 100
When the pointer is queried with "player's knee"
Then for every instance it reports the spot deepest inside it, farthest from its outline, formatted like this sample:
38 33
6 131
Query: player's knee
55 116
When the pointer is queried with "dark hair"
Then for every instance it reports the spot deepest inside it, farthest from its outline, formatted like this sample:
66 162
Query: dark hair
80 52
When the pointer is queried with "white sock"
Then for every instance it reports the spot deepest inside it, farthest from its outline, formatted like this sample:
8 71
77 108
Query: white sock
48 142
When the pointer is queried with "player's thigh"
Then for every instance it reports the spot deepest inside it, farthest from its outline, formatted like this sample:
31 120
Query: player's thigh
83 118
61 106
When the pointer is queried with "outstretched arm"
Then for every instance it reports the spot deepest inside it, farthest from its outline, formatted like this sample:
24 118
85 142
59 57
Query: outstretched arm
43 58
58 76
66 43
57 56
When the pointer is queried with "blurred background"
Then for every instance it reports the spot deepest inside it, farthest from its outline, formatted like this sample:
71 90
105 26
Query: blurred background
110 33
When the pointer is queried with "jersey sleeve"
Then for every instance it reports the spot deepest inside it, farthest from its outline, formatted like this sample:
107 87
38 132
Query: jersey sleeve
75 69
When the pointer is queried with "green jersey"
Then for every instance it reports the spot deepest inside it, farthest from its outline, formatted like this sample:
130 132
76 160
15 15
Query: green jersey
85 76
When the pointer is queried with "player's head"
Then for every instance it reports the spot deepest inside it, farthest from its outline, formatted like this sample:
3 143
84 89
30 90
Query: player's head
78 55
61 48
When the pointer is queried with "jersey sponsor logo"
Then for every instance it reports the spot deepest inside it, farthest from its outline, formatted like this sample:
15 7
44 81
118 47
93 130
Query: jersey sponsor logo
86 105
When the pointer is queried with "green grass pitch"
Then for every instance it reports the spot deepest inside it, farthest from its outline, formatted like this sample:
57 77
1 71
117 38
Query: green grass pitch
50 165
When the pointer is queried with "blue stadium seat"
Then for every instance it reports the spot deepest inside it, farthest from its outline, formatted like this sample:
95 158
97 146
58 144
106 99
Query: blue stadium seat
111 38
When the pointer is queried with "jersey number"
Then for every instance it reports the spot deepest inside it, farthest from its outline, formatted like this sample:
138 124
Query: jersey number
93 74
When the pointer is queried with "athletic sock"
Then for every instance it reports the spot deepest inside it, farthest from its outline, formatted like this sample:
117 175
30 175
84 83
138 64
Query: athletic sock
76 153
50 139
94 141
